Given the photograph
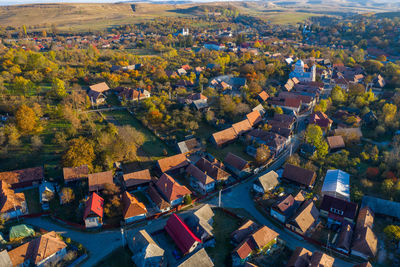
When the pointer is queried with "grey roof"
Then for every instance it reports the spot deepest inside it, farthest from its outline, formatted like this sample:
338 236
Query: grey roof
198 259
5 260
204 213
382 206
200 103
145 246
269 180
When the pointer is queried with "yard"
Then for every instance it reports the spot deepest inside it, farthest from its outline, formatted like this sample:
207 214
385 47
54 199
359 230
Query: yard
119 257
32 200
224 224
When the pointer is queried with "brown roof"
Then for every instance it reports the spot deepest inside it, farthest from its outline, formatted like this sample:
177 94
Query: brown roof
75 173
345 236
37 250
306 216
299 175
157 198
366 242
99 87
131 206
319 259
236 161
288 204
99 179
224 136
365 218
364 264
335 142
199 175
170 189
172 162
244 249
137 178
321 119
9 200
243 231
300 258
254 117
22 176
212 169
263 96
292 102
242 127
264 236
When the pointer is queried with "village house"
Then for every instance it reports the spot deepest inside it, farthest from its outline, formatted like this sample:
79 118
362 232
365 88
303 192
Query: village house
365 242
254 118
183 237
302 257
291 105
97 93
282 120
244 231
200 222
286 206
386 208
335 143
275 142
157 199
132 209
41 251
200 180
305 218
262 97
266 182
72 174
336 184
146 252
307 100
241 127
137 180
137 94
173 164
343 242
299 175
93 215
12 204
337 210
321 119
199 258
223 137
23 179
259 241
189 146
237 165
171 190
213 169
97 181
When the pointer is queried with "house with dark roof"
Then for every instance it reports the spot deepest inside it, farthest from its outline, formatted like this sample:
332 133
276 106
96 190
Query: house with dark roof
137 180
136 94
183 237
299 175
12 204
189 146
345 236
266 182
302 257
97 181
24 178
321 119
382 207
286 206
275 142
338 210
244 231
173 164
132 209
198 259
305 218
365 242
200 180
171 190
161 204
146 252
292 105
93 215
214 169
237 165
72 174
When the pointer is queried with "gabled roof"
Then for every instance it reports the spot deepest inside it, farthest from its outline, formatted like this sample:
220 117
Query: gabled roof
99 87
243 231
269 180
37 250
263 236
263 96
211 169
180 233
22 176
254 117
337 183
204 213
198 259
94 205
142 242
242 127
365 218
5 260
75 173
99 179
189 145
299 175
236 161
348 208
224 136
9 200
301 257
382 206
366 242
170 189
321 259
157 198
345 236
172 163
137 178
131 206
199 175
335 142
245 248
306 216
321 119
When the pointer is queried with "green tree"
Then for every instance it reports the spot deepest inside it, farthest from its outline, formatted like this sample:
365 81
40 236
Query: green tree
392 232
79 152
337 94
58 88
314 136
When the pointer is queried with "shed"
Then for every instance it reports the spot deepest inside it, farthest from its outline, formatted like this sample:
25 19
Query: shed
337 184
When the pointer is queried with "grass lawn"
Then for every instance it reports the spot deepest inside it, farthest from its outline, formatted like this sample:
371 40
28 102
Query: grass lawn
236 148
223 225
119 257
32 200
153 147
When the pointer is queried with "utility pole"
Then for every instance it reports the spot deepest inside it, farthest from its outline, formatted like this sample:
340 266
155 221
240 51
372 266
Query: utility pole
291 148
122 236
219 198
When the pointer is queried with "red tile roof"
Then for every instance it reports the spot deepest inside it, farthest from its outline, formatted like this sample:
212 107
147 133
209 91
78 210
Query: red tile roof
245 248
242 127
236 161
131 206
172 163
321 119
14 178
170 188
99 179
224 136
94 205
254 117
180 233
263 96
100 87
137 178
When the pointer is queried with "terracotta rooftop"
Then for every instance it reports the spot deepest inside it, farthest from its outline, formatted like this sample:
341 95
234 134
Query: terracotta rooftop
161 203
137 178
98 180
170 189
9 200
99 87
173 162
75 173
242 127
224 136
236 161
254 117
131 206
22 176
335 142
